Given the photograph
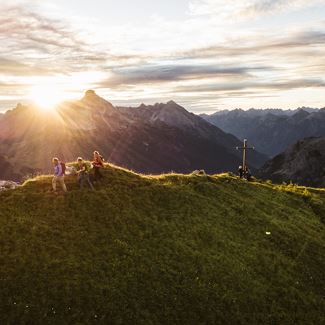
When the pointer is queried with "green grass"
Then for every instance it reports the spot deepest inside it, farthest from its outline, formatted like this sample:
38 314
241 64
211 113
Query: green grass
170 249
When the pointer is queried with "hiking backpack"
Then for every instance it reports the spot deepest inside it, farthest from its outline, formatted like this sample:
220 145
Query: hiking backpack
64 167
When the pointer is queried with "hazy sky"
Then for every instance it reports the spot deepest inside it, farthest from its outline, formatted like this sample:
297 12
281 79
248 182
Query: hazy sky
205 54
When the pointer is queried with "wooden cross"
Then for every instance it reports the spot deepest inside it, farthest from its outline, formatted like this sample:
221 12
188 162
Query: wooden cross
244 148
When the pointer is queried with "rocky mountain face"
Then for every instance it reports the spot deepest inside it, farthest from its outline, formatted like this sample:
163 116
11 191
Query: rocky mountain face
271 131
150 139
7 170
303 163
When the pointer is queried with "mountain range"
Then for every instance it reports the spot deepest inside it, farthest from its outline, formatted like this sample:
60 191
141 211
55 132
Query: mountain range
149 139
271 131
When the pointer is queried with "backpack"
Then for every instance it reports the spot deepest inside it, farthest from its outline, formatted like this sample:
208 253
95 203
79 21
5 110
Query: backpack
64 167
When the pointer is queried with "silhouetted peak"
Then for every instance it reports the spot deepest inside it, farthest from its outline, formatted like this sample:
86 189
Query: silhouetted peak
173 107
90 94
142 106
170 107
96 103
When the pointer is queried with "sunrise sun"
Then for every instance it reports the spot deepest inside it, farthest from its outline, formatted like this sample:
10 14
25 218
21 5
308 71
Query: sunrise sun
46 97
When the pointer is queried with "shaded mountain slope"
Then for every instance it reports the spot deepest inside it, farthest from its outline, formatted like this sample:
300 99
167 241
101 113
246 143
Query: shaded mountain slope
7 169
303 163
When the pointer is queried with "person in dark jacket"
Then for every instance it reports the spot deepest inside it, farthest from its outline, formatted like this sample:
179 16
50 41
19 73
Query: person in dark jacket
83 175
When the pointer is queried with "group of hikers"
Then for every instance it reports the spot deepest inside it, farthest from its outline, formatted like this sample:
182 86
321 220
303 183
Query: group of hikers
82 171
84 176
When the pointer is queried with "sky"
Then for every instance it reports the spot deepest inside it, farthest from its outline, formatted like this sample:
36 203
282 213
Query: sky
207 55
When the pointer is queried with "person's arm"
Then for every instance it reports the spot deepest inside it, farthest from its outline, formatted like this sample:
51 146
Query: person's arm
81 169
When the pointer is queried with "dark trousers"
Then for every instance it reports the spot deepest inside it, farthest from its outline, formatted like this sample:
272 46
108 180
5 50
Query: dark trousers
97 174
84 178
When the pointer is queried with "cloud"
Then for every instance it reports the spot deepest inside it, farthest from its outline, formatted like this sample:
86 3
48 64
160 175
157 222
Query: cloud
158 73
300 41
21 24
47 44
254 85
194 59
242 9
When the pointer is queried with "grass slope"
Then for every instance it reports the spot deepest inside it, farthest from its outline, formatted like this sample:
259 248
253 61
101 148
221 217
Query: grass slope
173 249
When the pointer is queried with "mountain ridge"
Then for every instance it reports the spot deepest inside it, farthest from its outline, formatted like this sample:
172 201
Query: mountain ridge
271 133
150 139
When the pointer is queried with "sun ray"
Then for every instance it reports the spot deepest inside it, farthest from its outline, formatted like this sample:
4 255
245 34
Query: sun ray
46 96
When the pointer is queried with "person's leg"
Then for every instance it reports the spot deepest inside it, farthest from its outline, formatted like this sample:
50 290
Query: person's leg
54 183
99 175
96 178
64 187
80 181
61 180
89 182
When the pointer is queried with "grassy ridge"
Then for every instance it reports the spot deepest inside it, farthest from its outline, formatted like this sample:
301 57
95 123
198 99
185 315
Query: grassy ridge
173 249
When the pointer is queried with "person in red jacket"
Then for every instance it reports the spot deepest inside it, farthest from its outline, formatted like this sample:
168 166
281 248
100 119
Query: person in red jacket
97 163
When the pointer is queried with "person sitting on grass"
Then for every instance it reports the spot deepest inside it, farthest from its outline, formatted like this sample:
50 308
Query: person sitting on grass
83 175
248 174
59 170
97 165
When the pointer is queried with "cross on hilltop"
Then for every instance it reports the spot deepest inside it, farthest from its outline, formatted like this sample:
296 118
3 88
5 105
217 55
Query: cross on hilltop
245 148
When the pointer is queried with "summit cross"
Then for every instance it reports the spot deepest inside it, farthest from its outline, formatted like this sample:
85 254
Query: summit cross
245 148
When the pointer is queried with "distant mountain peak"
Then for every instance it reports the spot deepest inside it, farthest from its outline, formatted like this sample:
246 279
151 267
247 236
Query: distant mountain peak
300 114
90 95
92 100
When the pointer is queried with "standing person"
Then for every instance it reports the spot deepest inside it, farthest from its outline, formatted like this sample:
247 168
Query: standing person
59 170
240 171
83 175
97 165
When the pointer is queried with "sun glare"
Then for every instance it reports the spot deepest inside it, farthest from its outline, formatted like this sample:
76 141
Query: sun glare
46 97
